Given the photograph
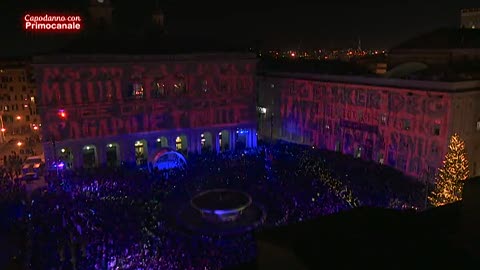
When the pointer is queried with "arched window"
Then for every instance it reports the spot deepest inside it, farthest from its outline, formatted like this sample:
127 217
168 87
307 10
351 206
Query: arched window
178 143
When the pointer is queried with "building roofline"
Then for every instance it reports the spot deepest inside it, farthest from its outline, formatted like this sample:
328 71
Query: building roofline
460 86
125 58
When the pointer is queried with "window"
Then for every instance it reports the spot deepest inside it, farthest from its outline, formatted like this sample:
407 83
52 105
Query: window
5 108
27 118
383 119
358 152
360 115
202 141
180 86
436 130
478 125
205 86
434 149
178 143
406 124
32 99
11 88
158 89
137 91
381 158
24 88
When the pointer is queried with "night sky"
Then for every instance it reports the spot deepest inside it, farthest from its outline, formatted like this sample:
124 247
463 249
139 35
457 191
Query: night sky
379 24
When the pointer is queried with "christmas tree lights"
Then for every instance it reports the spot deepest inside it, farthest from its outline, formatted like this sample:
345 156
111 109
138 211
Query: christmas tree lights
450 177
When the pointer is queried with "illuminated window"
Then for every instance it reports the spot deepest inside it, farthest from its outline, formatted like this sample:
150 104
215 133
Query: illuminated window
158 89
205 86
178 143
383 119
137 91
202 140
381 158
358 153
478 122
180 86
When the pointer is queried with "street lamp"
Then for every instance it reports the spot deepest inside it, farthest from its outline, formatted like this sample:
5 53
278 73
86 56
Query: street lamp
271 126
3 128
19 144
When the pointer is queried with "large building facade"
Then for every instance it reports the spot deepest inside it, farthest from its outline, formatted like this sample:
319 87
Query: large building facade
400 123
105 110
19 116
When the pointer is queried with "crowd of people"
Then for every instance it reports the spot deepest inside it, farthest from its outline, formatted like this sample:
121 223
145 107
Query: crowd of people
125 218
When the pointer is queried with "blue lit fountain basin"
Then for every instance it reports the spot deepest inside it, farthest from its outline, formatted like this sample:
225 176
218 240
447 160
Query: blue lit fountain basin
221 205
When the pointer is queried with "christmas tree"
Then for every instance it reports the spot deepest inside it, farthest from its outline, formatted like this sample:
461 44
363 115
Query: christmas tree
450 177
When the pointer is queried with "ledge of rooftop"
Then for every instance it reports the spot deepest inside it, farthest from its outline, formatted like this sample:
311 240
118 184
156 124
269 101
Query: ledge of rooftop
120 48
402 83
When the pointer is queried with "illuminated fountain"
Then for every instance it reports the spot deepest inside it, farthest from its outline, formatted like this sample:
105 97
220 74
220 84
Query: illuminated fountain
221 211
221 205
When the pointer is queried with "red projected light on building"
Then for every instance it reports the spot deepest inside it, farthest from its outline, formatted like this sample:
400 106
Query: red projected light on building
52 23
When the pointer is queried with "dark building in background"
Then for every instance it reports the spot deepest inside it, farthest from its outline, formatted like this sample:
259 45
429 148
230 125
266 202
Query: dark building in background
444 53
470 18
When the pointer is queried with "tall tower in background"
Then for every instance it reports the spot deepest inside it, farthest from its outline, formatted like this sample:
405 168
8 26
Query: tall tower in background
100 12
158 17
470 18
158 20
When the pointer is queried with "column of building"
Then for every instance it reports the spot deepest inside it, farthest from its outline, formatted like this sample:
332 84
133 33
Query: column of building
248 139
215 142
77 151
254 137
195 142
171 141
101 152
127 151
233 139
